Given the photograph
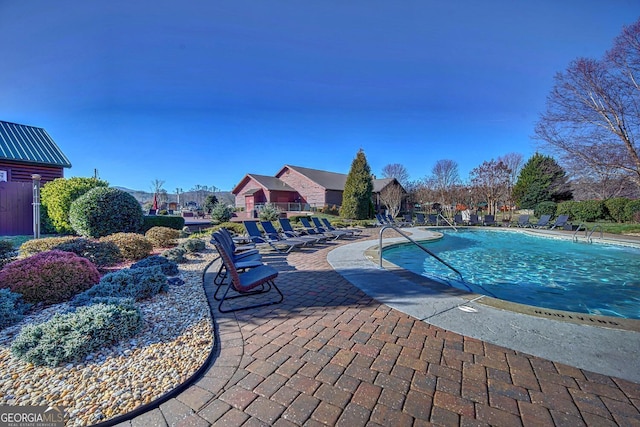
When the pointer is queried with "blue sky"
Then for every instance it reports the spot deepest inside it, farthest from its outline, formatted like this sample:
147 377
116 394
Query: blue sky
203 92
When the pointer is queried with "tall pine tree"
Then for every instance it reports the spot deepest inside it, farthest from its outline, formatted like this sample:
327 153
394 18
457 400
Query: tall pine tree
356 198
541 179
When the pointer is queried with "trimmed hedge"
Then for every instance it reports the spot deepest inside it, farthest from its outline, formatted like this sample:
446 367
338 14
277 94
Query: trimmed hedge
103 211
632 211
162 237
49 277
149 221
615 208
169 268
132 246
545 208
35 246
71 337
101 254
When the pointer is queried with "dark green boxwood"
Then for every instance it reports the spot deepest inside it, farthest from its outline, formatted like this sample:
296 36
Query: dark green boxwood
103 211
150 221
12 308
545 208
169 268
193 245
175 254
137 283
100 253
615 208
233 227
70 337
589 210
632 211
567 208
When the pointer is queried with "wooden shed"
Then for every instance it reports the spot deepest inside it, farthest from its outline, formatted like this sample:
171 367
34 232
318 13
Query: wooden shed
24 151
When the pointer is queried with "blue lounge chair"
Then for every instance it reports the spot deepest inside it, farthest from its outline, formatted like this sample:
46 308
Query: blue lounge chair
457 219
257 237
420 219
323 228
473 220
489 220
256 281
314 231
560 222
289 231
542 222
523 221
330 227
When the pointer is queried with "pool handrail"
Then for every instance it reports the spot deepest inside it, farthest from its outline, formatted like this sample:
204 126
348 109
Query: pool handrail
448 222
418 245
595 227
587 233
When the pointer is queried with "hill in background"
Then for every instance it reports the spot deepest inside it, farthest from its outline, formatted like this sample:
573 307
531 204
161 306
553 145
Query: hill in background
186 197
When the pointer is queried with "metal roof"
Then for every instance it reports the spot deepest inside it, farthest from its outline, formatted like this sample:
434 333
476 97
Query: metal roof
29 144
328 180
271 183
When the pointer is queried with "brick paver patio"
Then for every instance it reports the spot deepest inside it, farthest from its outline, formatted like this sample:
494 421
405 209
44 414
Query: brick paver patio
330 355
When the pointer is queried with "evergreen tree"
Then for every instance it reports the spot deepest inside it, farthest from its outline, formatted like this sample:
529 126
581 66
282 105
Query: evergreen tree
356 198
541 179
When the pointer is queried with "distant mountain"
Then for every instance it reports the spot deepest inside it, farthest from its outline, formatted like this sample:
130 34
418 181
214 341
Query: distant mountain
188 196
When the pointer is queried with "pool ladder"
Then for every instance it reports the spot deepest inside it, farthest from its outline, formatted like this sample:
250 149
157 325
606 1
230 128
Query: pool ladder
443 262
587 234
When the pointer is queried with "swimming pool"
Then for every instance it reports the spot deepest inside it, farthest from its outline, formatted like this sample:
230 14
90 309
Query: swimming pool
599 279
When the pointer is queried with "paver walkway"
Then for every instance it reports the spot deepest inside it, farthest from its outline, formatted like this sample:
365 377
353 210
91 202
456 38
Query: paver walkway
331 355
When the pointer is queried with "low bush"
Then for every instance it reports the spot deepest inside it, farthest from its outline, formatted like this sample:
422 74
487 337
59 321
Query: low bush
615 208
137 283
35 246
185 232
175 254
632 211
72 336
233 227
150 221
102 211
269 212
589 210
545 208
49 277
193 245
101 254
132 246
7 252
168 267
12 308
221 213
162 237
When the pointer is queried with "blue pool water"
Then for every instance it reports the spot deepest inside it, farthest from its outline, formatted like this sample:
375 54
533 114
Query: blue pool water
593 278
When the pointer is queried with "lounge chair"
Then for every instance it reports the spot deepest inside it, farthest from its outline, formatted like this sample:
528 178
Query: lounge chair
381 220
393 222
323 229
310 229
289 231
330 227
432 219
243 260
542 222
523 221
408 219
256 281
457 219
271 231
257 237
560 222
489 220
473 220
420 219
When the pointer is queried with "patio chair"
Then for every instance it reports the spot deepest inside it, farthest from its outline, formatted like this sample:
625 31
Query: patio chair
420 219
489 220
523 221
256 281
310 229
432 219
408 219
330 227
542 222
257 237
322 229
473 219
381 220
457 219
560 222
271 232
289 231
242 260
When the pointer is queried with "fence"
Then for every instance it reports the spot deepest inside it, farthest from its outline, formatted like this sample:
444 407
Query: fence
16 209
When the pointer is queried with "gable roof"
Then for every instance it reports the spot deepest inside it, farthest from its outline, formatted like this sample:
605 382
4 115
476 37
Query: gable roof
29 144
328 180
267 182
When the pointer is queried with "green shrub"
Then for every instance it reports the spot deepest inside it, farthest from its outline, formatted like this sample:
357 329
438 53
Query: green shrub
57 196
545 208
101 254
72 336
193 245
162 237
132 246
137 283
150 221
163 212
7 252
103 211
185 232
632 211
589 210
175 254
49 277
12 308
568 208
35 246
221 213
269 212
233 227
169 268
615 208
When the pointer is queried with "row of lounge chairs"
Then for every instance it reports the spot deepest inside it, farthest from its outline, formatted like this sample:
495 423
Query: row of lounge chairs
543 222
471 219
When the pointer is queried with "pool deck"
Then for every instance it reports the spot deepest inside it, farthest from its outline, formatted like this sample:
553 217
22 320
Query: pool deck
333 354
